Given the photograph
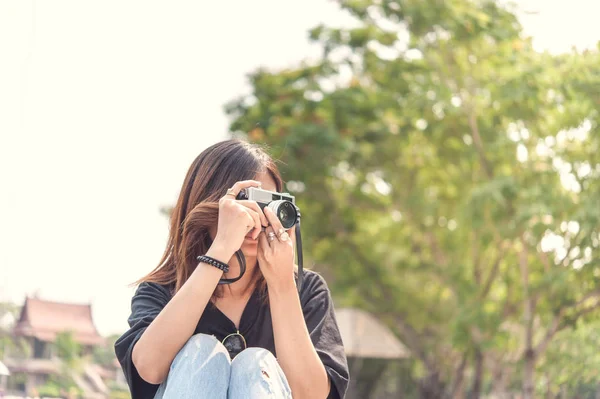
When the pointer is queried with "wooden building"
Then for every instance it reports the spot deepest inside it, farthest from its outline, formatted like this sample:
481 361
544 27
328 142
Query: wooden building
38 325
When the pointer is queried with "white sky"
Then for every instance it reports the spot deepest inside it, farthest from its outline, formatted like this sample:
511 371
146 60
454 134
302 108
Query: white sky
103 106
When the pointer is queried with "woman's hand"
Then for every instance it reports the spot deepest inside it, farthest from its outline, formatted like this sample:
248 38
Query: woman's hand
238 218
276 254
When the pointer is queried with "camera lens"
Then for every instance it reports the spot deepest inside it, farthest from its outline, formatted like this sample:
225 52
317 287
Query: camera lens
285 211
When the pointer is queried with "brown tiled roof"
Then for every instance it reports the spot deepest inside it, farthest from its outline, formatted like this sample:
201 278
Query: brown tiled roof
44 319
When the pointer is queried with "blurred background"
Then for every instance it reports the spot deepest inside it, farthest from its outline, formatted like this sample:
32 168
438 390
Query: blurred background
444 154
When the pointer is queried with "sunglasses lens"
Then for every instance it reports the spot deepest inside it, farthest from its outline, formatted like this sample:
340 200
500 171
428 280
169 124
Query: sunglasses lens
234 344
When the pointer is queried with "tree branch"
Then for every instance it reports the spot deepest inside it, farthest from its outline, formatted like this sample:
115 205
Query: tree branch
545 261
472 117
571 246
476 258
586 310
439 256
529 304
493 273
555 324
459 376
479 144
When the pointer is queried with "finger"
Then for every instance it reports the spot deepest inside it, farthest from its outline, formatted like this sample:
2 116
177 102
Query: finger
281 233
255 222
263 244
271 235
239 186
292 233
273 220
254 206
250 222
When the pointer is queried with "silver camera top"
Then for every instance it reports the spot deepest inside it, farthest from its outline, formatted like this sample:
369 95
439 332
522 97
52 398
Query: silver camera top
263 196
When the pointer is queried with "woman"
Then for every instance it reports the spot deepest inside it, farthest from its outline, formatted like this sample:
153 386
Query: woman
283 343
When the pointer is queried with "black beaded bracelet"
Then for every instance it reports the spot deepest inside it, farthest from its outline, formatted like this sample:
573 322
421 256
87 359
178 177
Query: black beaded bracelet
213 262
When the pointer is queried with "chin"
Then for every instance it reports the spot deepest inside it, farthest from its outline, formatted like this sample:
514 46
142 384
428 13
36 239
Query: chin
250 250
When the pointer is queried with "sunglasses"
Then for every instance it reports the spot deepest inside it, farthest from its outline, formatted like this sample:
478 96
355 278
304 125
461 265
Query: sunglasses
234 343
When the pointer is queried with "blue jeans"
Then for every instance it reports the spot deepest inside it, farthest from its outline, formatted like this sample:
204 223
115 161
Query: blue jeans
203 369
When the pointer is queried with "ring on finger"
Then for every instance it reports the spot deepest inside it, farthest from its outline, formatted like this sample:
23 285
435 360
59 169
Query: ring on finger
284 236
231 191
271 236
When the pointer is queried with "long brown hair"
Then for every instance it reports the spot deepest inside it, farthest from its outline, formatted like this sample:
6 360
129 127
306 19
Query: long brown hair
197 209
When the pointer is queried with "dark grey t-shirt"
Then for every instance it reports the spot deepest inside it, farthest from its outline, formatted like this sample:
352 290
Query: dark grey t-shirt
255 326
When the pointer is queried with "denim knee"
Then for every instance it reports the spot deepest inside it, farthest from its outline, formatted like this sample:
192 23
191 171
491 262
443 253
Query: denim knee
255 373
251 356
202 367
199 348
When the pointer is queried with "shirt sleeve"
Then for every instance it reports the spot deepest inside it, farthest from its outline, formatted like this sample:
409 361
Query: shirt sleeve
148 301
319 314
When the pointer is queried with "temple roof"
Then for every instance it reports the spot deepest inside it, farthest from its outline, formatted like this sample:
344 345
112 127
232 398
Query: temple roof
44 319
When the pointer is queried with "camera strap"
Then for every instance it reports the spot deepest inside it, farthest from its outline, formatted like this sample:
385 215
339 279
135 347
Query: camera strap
242 261
299 255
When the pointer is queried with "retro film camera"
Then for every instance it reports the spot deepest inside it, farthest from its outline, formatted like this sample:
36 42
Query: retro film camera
284 207
282 204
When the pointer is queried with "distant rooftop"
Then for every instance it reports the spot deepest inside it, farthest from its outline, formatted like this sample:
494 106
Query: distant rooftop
45 319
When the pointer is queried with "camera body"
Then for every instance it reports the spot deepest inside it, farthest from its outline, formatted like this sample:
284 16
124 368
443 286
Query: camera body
282 204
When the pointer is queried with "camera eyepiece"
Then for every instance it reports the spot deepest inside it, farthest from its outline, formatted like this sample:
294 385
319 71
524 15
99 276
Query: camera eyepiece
242 195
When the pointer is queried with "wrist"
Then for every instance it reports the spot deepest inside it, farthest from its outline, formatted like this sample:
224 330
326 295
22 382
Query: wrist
220 251
282 287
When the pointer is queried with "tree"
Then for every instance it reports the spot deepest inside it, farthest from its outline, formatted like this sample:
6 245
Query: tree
448 178
104 355
68 351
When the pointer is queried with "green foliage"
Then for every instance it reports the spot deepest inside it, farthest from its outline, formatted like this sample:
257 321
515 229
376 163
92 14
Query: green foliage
104 355
572 362
51 389
449 177
8 343
68 349
60 386
119 393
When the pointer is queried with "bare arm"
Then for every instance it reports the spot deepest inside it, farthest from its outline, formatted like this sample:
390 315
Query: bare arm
175 324
170 330
296 354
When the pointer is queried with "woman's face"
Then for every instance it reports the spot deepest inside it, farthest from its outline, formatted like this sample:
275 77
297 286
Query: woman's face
250 246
